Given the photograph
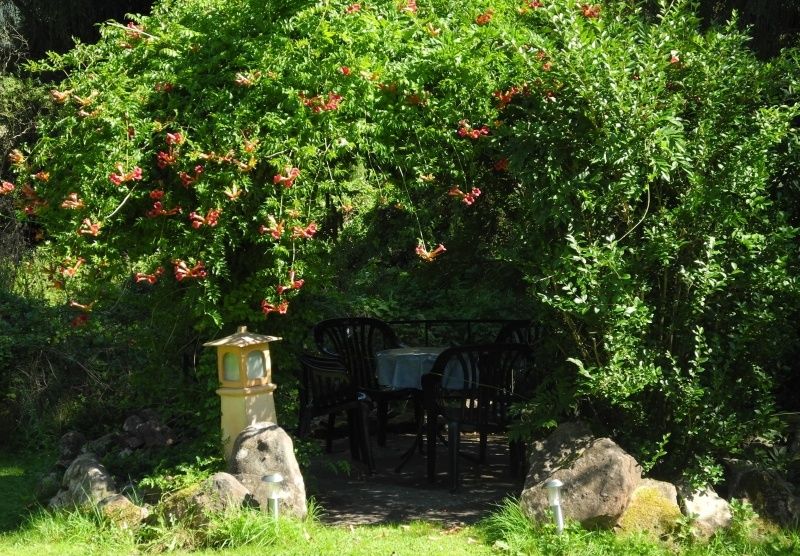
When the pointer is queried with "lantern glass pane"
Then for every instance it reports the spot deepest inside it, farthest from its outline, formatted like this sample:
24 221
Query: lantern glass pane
230 366
255 365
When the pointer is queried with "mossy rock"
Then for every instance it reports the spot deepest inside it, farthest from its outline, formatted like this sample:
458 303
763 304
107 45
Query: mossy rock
181 507
649 511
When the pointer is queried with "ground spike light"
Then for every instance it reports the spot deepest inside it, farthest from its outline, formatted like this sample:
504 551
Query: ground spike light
553 487
272 483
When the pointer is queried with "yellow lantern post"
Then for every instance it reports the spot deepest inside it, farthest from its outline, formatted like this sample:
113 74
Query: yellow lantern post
245 377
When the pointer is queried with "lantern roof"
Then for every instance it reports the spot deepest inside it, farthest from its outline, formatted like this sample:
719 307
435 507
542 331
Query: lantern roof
242 338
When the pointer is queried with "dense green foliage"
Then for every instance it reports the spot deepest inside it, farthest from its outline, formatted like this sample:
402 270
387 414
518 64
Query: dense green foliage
247 157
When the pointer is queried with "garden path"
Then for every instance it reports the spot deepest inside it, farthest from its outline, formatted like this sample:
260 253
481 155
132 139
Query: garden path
355 498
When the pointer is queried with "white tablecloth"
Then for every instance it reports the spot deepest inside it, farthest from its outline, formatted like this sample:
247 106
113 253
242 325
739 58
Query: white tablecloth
404 367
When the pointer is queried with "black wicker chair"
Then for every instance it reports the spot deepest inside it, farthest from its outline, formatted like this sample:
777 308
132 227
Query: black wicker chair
326 389
355 341
472 388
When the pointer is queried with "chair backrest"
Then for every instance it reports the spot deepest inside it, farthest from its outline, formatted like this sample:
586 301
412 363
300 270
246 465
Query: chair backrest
324 383
519 332
355 341
493 377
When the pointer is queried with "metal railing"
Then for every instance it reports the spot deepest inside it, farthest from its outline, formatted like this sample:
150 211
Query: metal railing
450 331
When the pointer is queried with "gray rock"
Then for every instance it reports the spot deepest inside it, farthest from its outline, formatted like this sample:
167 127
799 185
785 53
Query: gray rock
122 511
131 423
86 481
262 449
154 434
770 494
599 477
101 446
145 429
223 491
709 511
69 446
48 486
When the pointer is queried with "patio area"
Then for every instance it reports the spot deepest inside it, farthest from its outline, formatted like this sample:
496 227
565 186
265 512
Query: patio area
356 498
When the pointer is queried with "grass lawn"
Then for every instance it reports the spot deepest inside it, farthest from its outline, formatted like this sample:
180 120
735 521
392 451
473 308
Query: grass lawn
249 532
18 477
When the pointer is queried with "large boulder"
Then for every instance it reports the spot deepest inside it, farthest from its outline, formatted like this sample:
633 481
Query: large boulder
86 481
262 449
122 511
653 509
219 493
772 496
599 477
708 511
69 446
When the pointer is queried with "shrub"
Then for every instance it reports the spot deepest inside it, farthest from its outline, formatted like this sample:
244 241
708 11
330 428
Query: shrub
628 168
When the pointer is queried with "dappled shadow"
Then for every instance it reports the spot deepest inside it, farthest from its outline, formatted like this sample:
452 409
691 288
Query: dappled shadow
355 498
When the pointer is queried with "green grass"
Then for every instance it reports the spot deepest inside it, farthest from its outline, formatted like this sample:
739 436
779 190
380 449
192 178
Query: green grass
249 532
18 477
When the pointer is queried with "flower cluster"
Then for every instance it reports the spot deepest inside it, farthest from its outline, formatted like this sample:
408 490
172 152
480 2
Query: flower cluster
592 11
184 272
322 103
16 158
299 232
275 228
42 176
352 9
72 202
122 176
288 180
409 6
151 279
60 97
465 130
164 159
89 228
33 201
158 210
501 165
428 256
485 17
188 179
280 308
85 307
504 98
210 219
79 320
247 79
294 284
71 271
467 198
6 187
170 157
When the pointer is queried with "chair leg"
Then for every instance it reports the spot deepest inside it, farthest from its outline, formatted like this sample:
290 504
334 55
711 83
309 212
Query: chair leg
419 419
353 432
431 445
513 456
362 418
383 418
304 427
454 439
329 436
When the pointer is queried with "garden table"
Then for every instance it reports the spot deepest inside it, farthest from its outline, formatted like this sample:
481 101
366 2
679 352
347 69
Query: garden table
401 368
